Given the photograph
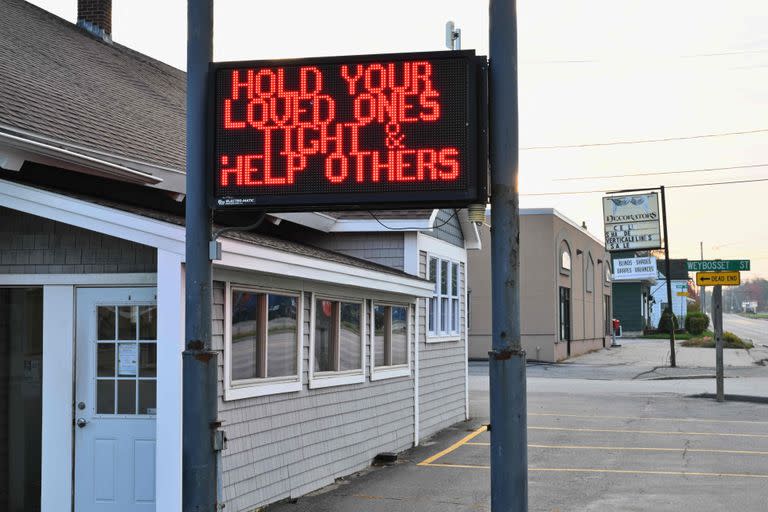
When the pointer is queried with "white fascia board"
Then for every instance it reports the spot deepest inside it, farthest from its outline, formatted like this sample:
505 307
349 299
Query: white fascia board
314 220
93 217
435 247
51 154
469 230
242 255
372 225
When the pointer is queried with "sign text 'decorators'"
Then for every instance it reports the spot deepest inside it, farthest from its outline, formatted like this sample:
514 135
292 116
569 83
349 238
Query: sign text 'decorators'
350 131
631 222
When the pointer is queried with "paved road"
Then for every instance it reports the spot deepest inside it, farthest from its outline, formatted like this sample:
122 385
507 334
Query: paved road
750 328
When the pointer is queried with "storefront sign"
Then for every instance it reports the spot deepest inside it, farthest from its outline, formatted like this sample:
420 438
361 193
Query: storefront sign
635 269
394 131
632 222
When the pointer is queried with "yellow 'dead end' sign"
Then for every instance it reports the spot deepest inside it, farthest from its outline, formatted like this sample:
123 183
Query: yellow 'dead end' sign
682 294
718 278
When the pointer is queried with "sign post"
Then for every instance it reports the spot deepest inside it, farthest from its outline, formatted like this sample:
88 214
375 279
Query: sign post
509 452
717 320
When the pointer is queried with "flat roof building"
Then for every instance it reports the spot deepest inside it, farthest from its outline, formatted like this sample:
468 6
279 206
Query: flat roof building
565 289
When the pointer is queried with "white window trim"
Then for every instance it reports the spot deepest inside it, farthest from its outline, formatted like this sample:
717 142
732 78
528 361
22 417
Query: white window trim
394 371
440 336
607 273
341 378
563 270
260 387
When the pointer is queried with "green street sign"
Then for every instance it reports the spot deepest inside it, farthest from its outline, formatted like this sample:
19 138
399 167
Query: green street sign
717 265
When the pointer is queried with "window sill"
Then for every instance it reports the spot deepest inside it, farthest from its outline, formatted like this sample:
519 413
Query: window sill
390 372
264 389
335 379
443 339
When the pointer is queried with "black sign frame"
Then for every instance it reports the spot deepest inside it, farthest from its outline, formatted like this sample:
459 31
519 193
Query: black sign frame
476 191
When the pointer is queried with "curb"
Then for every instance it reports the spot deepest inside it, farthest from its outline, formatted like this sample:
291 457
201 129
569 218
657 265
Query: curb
734 398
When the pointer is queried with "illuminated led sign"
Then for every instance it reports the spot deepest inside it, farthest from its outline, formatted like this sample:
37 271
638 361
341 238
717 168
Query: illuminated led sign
384 131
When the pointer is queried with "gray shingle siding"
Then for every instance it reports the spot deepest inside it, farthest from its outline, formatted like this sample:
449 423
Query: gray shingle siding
34 245
289 444
442 375
449 228
382 248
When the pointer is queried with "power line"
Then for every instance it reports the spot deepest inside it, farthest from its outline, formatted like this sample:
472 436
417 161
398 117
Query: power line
587 60
642 141
657 173
691 185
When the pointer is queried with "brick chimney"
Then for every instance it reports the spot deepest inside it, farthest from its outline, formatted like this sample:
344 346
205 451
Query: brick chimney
95 16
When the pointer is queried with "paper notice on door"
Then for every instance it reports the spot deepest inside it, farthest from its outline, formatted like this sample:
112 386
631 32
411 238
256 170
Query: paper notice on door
127 359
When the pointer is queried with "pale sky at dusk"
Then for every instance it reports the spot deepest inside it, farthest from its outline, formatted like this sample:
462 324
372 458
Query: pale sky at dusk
593 71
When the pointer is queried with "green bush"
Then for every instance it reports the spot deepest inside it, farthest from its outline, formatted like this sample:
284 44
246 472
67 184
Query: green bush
668 320
693 307
696 322
730 340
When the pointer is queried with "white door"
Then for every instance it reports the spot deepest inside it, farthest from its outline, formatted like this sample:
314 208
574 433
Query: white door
115 399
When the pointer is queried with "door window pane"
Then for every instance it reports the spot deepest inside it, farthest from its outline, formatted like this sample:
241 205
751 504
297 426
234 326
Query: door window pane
380 340
147 397
444 277
126 323
105 397
455 279
147 360
126 396
147 322
244 334
105 360
105 317
349 337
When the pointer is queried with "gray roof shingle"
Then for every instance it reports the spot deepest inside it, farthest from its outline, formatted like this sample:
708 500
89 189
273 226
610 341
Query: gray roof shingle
61 83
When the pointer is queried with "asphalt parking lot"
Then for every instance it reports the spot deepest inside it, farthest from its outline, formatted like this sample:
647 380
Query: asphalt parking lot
599 440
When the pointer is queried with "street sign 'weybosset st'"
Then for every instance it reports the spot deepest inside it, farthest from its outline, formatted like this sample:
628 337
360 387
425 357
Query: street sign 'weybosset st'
384 131
718 265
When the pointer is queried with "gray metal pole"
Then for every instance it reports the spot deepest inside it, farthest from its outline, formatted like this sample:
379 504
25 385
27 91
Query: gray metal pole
509 456
703 288
717 310
672 359
199 361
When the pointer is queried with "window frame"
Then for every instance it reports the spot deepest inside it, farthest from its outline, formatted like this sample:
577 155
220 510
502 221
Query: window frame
342 377
392 371
564 248
608 275
564 323
589 274
260 386
437 335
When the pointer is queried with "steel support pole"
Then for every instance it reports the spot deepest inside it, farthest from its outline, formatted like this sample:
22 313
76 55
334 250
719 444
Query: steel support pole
509 456
672 359
199 361
717 310
703 289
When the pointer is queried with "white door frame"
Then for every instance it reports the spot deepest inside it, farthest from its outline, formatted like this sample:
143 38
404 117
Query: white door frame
59 345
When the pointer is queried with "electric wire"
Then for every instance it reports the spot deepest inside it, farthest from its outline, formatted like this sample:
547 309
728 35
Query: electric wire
411 228
659 173
690 185
644 141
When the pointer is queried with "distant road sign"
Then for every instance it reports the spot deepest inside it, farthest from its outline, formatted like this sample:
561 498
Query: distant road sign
718 278
717 265
682 294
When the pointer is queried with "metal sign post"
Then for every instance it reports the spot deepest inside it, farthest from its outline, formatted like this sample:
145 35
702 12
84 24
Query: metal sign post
717 320
667 271
509 455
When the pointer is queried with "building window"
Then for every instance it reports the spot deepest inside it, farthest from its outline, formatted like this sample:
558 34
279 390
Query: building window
589 278
338 336
262 342
565 313
390 341
607 274
444 306
565 258
608 319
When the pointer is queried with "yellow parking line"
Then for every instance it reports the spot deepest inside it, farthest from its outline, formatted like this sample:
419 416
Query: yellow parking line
454 446
693 420
614 471
631 448
653 432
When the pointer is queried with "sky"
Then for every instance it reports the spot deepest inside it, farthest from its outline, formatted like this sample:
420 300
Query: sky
591 72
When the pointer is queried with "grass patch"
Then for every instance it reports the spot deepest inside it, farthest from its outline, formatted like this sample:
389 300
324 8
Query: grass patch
760 316
730 340
665 336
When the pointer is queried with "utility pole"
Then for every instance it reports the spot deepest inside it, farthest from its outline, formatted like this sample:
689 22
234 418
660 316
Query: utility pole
199 473
509 455
672 360
717 313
